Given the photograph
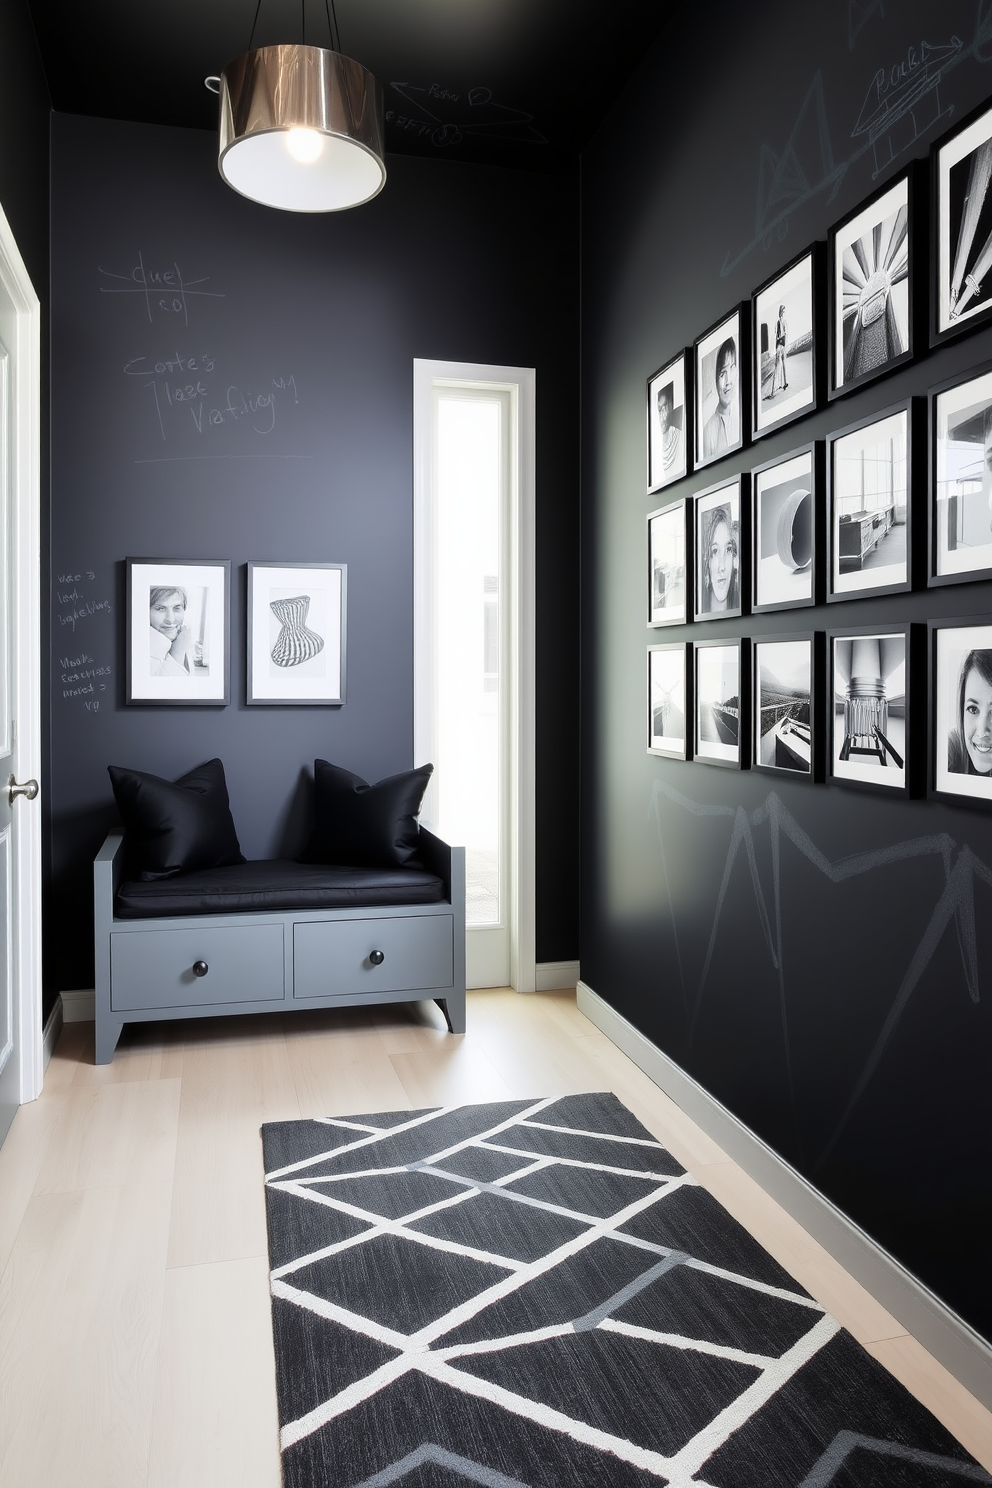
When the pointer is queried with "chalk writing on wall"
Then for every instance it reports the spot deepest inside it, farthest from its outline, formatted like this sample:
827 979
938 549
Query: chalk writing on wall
187 394
446 115
82 677
164 290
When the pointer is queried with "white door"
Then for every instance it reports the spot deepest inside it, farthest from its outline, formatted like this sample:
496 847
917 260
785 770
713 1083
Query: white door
20 836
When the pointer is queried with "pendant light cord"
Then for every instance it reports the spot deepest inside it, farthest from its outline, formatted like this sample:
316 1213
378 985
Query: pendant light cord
332 26
254 23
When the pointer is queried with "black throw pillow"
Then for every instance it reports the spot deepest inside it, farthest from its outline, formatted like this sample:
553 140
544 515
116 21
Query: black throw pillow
175 826
365 826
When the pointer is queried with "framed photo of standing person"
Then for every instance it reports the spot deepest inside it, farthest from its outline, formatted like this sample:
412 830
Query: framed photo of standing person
177 632
667 700
961 710
869 505
784 345
297 633
667 565
961 187
720 375
717 547
721 712
961 479
871 288
782 688
786 498
871 690
669 423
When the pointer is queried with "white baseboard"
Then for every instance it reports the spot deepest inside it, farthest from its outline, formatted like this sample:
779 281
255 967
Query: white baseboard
79 1007
551 975
945 1335
50 1035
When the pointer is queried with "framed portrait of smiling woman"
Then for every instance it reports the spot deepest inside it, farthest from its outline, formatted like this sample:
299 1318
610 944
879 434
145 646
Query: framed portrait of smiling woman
178 632
961 710
719 559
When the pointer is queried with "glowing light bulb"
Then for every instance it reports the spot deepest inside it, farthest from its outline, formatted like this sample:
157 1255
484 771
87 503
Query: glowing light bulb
304 145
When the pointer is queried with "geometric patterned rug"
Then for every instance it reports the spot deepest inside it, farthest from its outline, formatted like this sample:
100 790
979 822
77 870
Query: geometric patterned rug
535 1294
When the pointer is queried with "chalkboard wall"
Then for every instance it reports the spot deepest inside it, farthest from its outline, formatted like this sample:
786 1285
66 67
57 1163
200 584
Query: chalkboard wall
799 949
233 382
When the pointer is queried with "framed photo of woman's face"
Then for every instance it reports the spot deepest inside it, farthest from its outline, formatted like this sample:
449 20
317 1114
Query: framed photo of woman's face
717 546
667 565
785 521
961 708
961 177
784 347
668 700
961 479
177 632
870 263
869 505
870 691
721 381
669 423
720 694
782 683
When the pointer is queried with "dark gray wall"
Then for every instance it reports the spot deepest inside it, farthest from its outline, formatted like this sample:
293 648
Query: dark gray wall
326 314
846 1036
25 110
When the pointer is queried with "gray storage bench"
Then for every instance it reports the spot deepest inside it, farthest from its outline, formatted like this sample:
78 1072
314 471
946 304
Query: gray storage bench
277 936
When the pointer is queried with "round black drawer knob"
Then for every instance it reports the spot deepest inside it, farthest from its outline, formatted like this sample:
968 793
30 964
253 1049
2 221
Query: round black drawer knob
377 957
200 968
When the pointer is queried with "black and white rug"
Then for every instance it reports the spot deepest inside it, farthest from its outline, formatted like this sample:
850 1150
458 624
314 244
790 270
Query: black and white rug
536 1293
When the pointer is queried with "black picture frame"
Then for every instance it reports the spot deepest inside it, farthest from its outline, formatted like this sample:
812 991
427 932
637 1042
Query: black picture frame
718 435
722 505
789 343
870 468
297 635
961 227
720 692
960 450
786 705
786 530
669 438
875 683
872 286
960 710
668 564
669 705
177 632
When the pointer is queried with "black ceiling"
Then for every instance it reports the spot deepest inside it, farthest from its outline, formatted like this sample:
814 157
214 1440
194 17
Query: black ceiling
518 83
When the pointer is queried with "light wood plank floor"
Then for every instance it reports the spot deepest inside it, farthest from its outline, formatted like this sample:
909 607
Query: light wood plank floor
135 1348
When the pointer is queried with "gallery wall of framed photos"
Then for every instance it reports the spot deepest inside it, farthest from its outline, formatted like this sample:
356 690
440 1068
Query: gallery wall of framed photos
896 500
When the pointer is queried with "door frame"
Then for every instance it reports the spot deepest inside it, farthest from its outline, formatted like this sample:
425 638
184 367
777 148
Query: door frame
521 693
25 560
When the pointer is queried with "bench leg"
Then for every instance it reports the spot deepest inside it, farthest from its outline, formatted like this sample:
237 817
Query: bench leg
107 1034
453 1009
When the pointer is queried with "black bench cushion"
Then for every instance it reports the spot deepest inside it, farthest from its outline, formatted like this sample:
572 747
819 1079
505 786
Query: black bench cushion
250 887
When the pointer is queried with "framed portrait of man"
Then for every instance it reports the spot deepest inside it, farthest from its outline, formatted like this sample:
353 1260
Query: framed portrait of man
721 387
785 345
669 426
177 632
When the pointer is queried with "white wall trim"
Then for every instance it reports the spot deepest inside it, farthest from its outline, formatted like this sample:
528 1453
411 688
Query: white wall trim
945 1335
552 975
79 1007
53 1027
26 700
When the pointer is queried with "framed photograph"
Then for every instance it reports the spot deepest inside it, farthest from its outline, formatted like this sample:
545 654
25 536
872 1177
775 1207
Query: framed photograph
961 176
961 709
296 633
667 700
785 521
869 505
717 545
720 374
784 346
961 479
719 680
870 257
178 632
666 565
669 423
869 707
782 682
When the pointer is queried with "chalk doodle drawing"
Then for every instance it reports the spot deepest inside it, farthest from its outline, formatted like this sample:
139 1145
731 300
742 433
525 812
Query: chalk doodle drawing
445 116
859 13
902 105
956 902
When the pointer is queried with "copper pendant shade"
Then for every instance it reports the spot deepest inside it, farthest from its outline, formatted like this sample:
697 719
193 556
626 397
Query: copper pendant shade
301 129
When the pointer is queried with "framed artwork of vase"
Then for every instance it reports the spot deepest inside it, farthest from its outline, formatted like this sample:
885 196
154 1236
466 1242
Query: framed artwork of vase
296 633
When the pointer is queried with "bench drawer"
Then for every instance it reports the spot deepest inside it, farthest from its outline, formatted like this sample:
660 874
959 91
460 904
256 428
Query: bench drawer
154 968
333 959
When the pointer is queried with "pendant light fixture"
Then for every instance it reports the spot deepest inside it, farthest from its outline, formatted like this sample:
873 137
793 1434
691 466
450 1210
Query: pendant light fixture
300 127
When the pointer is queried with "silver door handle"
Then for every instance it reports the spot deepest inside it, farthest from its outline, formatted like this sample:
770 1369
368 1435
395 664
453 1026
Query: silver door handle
29 789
